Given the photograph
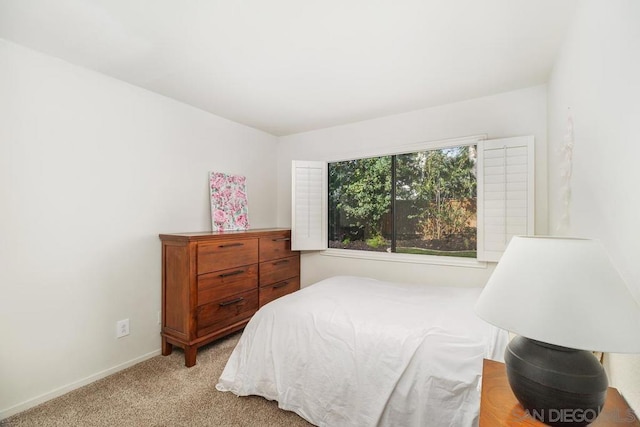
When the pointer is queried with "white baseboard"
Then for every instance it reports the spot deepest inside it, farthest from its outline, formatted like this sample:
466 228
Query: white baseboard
27 404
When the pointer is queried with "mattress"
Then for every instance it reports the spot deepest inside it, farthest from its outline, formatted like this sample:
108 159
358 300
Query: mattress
354 351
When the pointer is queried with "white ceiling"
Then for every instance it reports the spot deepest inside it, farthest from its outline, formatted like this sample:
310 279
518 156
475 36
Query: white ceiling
288 66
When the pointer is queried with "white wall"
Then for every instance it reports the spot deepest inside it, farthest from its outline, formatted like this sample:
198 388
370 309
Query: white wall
91 171
597 79
522 112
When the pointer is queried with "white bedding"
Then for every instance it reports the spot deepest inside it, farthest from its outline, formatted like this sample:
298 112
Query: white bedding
350 351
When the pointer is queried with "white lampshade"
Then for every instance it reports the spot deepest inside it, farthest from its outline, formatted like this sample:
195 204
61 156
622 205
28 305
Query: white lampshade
562 291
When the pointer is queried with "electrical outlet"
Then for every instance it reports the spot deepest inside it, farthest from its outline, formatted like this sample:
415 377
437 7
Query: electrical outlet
122 328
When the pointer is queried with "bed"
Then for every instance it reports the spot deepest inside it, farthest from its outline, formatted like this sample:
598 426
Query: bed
353 351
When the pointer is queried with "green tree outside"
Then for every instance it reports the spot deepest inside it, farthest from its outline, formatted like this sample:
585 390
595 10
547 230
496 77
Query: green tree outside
437 190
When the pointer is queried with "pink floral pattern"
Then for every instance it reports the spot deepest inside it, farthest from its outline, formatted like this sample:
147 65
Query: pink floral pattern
229 207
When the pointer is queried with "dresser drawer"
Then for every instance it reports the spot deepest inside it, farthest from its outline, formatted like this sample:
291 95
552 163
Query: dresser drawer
226 254
270 292
276 246
223 283
227 311
280 269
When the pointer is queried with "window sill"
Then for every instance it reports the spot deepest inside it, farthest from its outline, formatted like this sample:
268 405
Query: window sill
406 258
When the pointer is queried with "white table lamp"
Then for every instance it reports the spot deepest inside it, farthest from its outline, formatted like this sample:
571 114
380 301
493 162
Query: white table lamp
563 298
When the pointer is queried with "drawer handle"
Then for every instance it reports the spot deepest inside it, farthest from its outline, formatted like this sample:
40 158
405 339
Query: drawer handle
283 261
280 285
282 239
233 273
233 301
231 245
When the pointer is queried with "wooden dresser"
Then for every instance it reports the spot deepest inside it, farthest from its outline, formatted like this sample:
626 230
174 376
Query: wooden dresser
213 282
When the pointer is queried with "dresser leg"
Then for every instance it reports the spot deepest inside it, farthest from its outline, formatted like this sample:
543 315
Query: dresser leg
166 347
190 355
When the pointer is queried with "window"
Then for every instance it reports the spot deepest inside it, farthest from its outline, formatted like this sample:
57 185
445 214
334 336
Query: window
418 203
456 198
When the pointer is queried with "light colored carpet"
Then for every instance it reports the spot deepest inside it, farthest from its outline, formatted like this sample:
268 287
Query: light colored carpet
161 391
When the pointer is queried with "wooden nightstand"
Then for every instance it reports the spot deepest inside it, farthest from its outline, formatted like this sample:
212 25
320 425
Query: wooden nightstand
499 407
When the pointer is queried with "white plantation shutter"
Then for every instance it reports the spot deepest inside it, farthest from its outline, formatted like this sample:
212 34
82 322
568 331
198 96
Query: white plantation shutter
309 205
505 193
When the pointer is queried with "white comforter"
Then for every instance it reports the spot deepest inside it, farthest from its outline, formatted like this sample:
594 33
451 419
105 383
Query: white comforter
350 351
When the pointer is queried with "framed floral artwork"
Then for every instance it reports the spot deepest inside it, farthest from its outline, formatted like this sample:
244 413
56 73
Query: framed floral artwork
229 207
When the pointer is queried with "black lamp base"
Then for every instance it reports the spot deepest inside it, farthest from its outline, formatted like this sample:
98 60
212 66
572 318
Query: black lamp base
556 385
